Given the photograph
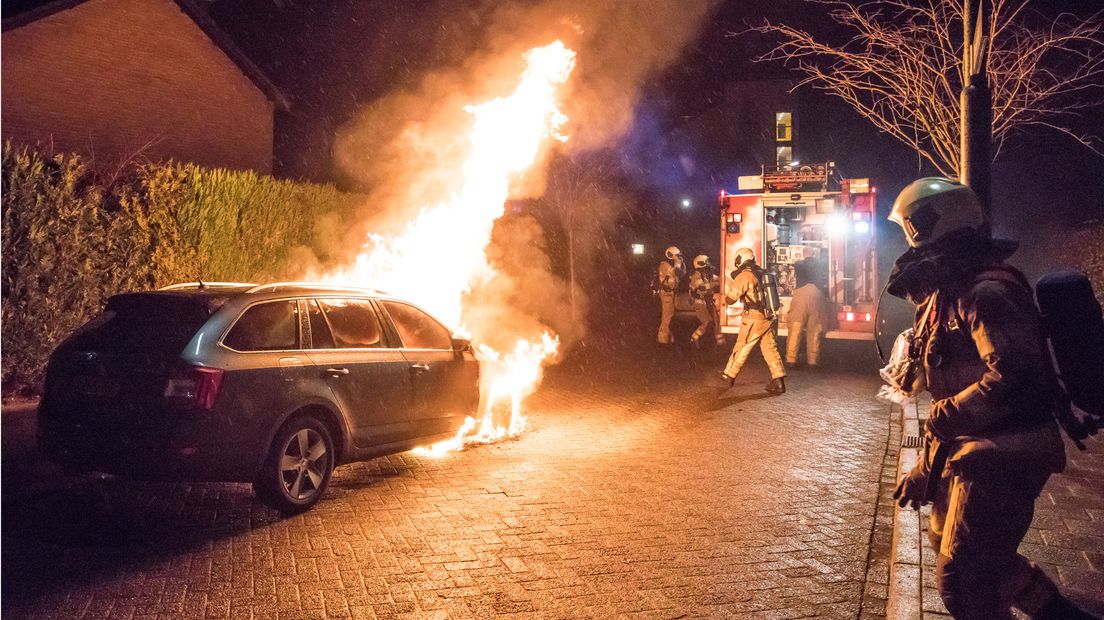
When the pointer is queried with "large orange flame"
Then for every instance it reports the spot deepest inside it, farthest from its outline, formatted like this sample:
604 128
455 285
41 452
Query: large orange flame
441 254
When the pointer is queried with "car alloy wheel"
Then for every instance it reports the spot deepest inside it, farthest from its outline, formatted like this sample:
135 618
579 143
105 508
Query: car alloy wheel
303 464
299 466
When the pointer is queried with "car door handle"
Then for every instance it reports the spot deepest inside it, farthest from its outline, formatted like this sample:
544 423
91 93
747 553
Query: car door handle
337 372
419 368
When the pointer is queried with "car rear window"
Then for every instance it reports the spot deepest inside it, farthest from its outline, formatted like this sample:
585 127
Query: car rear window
417 329
155 322
272 326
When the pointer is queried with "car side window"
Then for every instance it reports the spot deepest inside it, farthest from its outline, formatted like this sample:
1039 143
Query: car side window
353 323
271 326
417 329
320 331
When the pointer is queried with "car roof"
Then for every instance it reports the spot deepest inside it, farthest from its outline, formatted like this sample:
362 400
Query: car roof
238 295
232 289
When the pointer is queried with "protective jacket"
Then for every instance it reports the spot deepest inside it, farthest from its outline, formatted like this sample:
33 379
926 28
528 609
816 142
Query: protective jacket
669 276
744 288
985 361
703 285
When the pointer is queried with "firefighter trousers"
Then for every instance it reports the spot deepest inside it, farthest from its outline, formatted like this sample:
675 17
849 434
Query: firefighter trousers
707 320
976 527
666 313
755 330
811 334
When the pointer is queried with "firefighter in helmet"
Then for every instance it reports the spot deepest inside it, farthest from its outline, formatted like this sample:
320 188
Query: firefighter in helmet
756 328
704 285
671 269
991 440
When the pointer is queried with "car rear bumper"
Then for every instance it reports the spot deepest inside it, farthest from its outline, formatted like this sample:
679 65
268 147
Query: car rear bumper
146 454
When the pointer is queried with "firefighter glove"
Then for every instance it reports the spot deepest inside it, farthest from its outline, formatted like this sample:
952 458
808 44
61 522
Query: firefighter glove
912 489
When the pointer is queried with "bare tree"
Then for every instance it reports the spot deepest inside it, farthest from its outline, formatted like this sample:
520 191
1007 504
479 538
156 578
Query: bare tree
900 66
577 189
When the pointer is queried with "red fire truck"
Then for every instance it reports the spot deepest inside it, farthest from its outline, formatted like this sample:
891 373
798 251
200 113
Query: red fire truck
804 217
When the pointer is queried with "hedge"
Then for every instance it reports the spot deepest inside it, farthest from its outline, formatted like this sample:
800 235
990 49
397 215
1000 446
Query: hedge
72 237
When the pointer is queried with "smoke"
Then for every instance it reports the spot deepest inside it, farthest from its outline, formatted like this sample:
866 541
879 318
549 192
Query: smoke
402 149
524 296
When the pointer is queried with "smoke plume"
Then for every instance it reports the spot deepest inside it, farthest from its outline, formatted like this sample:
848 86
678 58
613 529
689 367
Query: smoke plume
401 149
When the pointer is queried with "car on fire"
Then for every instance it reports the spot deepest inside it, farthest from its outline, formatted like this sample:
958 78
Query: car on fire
271 384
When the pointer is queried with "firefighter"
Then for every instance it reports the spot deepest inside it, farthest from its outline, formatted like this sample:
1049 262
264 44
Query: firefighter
991 440
806 318
704 285
756 328
670 273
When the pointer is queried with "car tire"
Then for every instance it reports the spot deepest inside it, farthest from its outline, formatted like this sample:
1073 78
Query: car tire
297 470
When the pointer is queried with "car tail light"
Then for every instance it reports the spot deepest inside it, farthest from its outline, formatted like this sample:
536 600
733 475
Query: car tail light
194 387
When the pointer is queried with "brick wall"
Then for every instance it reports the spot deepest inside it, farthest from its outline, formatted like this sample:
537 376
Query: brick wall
110 77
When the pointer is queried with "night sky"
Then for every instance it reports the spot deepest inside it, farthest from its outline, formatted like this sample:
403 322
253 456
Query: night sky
334 57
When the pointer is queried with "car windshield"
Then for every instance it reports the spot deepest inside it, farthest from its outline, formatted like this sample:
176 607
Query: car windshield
158 323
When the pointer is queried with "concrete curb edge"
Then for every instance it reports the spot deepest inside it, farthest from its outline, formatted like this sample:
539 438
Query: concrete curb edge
906 560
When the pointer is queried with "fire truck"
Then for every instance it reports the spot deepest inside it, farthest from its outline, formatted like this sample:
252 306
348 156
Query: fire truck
804 218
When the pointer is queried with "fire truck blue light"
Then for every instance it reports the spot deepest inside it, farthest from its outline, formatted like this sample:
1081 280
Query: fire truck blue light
861 228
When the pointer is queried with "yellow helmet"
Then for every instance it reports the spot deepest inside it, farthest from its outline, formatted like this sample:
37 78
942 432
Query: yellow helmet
744 255
701 261
672 252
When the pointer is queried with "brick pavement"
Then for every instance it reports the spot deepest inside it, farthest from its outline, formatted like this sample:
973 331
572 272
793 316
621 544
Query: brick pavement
640 490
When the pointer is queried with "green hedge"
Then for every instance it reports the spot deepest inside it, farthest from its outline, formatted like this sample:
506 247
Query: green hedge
71 238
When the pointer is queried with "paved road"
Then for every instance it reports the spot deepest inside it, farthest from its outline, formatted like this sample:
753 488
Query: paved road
641 490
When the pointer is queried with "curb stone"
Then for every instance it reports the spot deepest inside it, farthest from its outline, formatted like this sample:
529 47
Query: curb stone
907 566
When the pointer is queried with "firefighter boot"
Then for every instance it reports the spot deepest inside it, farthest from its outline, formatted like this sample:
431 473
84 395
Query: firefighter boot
777 386
731 381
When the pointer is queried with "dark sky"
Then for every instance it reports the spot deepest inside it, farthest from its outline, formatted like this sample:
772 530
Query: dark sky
334 56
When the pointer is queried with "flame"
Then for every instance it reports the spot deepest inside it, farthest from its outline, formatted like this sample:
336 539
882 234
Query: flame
506 380
513 376
441 253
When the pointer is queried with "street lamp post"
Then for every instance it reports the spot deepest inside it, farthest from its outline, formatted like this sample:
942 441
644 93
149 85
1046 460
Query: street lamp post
976 104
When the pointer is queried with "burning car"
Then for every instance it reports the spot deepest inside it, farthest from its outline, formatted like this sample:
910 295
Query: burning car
271 384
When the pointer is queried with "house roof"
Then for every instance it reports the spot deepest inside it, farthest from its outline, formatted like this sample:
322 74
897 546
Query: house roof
198 14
